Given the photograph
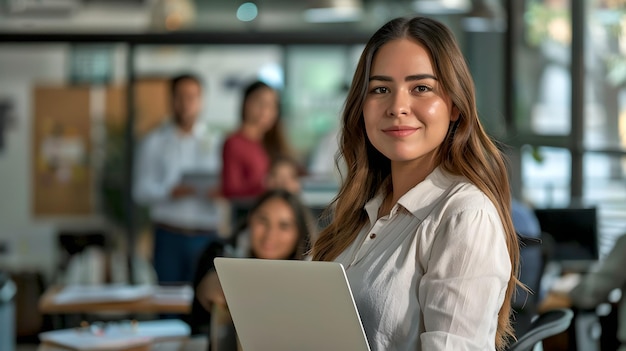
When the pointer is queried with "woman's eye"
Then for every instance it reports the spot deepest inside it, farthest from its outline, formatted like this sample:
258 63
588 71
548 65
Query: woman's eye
380 90
422 88
285 226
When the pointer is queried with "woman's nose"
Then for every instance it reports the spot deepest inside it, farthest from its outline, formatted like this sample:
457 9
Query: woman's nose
268 231
399 104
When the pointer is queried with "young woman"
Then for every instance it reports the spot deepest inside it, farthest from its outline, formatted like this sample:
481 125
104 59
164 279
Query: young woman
247 153
277 227
422 220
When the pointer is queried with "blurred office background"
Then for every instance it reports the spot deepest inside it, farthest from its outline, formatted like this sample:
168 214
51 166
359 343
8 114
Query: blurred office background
550 78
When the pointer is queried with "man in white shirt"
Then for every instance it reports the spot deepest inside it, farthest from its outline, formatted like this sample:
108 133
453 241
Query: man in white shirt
184 214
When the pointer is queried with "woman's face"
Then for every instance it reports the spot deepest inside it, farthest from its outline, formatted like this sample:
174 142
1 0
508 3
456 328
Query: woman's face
261 109
406 112
273 230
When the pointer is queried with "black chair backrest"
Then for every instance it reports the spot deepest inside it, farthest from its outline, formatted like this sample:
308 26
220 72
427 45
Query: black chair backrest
535 253
547 324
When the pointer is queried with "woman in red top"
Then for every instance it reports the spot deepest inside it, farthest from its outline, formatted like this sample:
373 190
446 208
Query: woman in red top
247 153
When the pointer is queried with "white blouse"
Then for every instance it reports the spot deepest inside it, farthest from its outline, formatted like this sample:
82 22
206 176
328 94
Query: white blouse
431 275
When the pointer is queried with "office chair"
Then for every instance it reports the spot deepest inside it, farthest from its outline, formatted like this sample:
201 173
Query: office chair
535 253
545 325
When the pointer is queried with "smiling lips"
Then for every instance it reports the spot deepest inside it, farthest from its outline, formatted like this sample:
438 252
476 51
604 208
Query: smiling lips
400 131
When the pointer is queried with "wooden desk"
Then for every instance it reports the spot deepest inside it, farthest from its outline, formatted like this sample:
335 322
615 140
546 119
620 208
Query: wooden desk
184 345
554 300
156 303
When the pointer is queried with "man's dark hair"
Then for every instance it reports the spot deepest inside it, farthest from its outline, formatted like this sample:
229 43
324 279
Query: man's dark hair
181 77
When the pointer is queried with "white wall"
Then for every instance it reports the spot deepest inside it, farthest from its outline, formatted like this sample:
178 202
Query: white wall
21 67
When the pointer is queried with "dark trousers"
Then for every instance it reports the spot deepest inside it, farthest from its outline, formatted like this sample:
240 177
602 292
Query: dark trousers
175 254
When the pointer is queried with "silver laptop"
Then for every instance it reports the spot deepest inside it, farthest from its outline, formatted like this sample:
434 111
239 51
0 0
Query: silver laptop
285 305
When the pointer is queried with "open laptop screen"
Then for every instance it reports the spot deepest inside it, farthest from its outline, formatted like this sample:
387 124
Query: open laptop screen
284 305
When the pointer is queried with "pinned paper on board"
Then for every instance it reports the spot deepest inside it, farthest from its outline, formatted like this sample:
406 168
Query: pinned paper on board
61 171
62 156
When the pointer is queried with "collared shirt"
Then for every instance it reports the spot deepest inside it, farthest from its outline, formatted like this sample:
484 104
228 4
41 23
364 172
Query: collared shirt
164 156
433 273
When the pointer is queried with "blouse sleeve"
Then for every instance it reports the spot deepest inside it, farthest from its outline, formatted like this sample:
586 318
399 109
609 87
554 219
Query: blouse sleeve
465 282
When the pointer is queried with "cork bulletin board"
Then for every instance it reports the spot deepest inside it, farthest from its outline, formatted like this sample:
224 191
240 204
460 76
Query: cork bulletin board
62 172
61 175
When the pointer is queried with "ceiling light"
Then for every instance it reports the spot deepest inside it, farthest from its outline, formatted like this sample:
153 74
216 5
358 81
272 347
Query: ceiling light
441 7
247 12
325 11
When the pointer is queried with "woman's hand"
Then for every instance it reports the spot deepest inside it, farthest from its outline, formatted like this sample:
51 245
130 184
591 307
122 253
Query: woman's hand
210 292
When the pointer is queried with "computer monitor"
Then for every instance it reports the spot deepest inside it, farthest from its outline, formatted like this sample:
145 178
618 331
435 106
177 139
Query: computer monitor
575 232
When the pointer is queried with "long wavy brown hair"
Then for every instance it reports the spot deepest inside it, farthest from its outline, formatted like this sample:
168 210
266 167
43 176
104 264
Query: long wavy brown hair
467 149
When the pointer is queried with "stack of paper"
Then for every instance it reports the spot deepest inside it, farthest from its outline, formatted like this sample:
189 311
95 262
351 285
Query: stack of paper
102 293
169 294
117 336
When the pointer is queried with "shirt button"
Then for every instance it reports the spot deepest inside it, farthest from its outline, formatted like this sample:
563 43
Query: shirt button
373 236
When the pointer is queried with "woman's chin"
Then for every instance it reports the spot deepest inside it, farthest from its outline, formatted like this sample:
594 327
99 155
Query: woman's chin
269 256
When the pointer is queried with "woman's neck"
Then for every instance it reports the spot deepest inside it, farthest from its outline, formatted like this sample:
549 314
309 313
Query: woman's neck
184 126
406 175
251 132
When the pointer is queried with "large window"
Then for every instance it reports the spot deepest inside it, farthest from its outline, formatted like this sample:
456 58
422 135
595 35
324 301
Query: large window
545 171
545 98
570 108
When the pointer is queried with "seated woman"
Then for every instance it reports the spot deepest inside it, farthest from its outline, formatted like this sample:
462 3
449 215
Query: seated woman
277 227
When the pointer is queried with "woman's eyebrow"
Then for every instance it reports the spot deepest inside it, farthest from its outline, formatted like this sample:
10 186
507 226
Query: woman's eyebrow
381 78
419 77
412 77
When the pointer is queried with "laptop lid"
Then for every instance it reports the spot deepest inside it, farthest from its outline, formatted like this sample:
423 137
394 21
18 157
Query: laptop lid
283 305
